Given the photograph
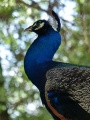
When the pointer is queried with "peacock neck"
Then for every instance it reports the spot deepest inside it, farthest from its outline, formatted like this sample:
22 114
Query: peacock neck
39 55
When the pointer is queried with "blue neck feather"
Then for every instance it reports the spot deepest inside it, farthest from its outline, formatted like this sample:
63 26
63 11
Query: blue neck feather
39 55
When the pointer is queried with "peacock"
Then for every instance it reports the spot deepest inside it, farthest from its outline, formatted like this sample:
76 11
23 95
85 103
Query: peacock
64 87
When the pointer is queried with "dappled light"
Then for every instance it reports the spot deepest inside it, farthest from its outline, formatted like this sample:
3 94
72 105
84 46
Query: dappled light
19 98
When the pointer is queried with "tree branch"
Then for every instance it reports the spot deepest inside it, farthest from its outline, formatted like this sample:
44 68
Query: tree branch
33 5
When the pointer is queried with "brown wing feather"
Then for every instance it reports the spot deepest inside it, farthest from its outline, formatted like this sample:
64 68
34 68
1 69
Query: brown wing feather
73 80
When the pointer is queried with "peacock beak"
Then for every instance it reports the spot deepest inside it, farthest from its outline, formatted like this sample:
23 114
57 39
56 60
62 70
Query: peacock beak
29 28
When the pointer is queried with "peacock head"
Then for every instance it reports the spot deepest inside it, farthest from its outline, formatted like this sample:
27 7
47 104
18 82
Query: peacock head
39 27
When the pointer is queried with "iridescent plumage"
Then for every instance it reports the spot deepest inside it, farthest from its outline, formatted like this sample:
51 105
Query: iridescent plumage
64 88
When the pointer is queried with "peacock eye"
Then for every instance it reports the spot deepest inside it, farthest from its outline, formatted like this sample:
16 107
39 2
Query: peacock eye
39 25
39 21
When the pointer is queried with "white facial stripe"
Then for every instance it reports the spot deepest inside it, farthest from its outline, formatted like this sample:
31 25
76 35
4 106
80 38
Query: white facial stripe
40 26
34 24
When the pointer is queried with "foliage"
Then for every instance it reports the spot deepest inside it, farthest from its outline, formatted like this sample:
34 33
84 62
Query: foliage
19 99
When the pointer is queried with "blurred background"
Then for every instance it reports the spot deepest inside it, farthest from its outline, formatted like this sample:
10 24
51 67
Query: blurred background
19 99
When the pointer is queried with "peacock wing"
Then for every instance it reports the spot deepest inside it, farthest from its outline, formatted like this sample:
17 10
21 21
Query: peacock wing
67 92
